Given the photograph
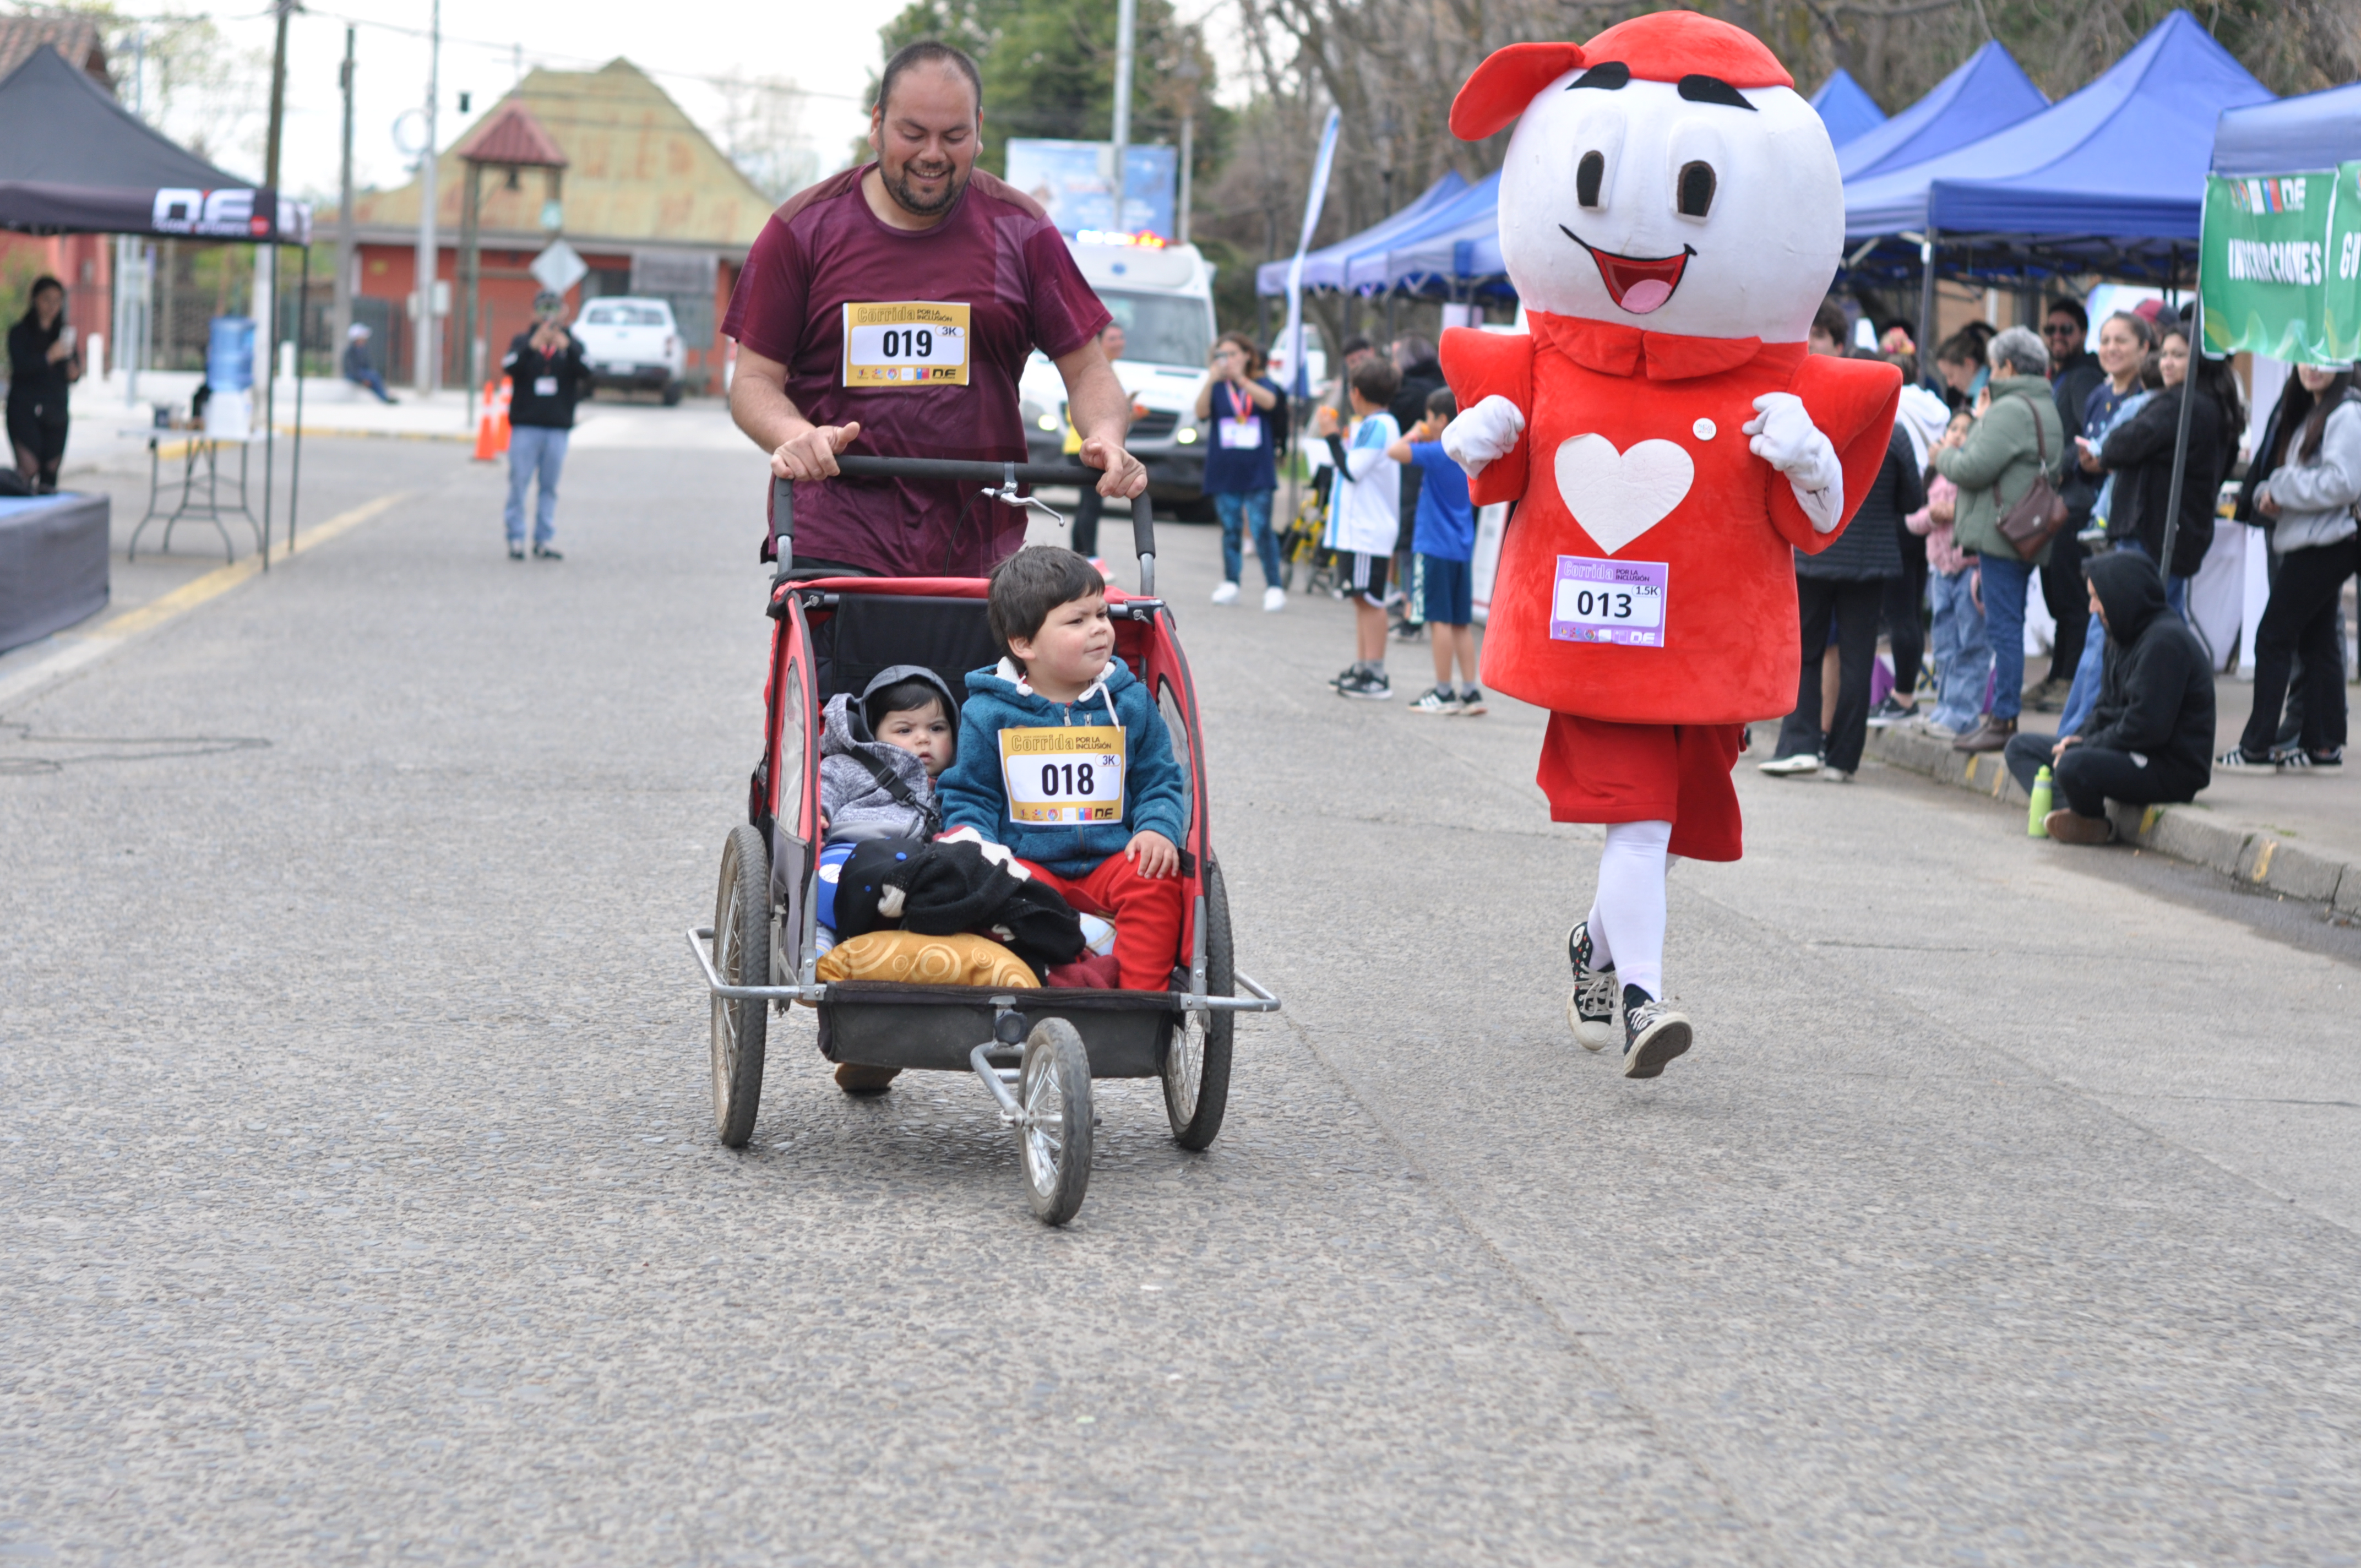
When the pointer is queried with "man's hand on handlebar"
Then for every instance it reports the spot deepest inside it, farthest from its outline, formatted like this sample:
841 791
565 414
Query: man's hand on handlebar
812 455
1125 476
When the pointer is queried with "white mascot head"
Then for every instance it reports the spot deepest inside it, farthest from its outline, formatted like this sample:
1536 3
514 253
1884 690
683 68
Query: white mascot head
1666 175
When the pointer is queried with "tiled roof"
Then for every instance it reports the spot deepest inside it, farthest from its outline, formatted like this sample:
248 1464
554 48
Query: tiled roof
511 136
637 171
75 38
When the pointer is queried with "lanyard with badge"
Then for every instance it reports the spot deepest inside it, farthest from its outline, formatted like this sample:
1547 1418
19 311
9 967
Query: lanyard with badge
1242 431
905 343
1067 774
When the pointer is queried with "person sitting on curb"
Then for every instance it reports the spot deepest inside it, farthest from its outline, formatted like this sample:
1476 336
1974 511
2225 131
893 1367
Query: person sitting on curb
358 369
2151 739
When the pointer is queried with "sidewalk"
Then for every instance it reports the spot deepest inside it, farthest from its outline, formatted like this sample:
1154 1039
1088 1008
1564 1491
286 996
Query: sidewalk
110 437
2296 834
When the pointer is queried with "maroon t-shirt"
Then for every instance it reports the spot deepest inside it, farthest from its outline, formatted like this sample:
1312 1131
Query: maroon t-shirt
997 253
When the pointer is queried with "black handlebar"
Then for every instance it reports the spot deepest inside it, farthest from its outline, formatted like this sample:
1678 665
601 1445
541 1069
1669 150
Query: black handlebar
1143 513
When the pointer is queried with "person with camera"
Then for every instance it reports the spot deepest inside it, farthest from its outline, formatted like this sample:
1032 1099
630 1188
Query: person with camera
1248 415
44 362
548 376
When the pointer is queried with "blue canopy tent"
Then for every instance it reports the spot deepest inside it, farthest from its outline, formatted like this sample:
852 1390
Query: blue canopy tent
1420 261
1324 267
1987 93
2319 130
2110 179
1846 108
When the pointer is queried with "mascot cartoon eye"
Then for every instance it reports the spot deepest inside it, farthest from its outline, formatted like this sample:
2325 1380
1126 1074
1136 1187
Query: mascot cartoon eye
1587 177
1696 188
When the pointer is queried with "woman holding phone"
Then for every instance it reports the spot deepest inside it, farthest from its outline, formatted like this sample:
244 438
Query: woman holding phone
43 364
1247 416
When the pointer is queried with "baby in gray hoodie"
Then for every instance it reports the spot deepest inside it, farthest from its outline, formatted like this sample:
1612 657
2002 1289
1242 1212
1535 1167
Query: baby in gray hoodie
879 754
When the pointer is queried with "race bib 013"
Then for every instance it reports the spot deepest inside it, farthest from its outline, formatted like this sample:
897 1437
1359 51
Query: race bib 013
1609 601
912 343
1072 774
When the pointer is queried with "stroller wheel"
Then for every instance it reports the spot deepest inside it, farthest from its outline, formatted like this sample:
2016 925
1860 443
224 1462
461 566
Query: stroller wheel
742 956
1054 1138
1197 1064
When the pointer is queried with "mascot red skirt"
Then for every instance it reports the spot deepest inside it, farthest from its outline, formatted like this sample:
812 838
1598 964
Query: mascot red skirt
1672 216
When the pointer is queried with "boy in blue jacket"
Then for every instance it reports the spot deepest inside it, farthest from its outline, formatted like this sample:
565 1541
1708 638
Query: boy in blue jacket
1064 759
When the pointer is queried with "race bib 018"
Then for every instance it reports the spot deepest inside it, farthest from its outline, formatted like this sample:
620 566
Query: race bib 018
1609 601
1072 774
912 343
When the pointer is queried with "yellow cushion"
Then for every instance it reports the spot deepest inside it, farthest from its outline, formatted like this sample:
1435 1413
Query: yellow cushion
913 959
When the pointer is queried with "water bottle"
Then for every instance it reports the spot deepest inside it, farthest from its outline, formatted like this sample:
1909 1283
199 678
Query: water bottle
2042 791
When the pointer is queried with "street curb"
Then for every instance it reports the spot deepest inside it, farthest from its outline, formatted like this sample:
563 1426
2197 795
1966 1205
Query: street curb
2257 856
315 432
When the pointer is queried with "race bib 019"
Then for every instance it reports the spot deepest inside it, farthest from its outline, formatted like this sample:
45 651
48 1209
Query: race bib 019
1072 774
1609 601
913 343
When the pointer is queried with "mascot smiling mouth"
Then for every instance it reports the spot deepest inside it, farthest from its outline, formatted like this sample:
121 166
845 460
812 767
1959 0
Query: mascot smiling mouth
1636 284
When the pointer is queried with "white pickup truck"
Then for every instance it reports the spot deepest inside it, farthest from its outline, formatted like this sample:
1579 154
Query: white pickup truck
634 343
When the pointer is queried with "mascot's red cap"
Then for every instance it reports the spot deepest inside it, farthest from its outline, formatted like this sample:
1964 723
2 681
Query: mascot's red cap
1663 46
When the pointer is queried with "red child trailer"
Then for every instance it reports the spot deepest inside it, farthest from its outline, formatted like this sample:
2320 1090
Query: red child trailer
1036 1050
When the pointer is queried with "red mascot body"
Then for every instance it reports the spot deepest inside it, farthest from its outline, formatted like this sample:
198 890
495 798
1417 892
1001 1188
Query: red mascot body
1671 213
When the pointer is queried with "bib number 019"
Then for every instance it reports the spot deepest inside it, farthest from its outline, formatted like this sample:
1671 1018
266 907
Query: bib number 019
913 343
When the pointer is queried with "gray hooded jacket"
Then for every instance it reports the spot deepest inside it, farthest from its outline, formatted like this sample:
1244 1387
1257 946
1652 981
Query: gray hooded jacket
860 805
2316 493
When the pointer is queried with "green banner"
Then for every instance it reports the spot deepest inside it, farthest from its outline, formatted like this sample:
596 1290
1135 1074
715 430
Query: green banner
2282 264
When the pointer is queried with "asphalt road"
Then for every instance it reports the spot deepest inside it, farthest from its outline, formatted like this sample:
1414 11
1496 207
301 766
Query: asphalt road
358 1200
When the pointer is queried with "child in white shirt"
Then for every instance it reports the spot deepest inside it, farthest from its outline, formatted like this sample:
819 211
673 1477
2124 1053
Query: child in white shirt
1364 516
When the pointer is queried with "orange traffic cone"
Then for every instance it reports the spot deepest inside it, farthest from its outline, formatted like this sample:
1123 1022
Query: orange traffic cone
500 416
488 442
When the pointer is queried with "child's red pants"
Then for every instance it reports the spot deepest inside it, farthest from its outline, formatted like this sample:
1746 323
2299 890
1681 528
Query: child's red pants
1146 912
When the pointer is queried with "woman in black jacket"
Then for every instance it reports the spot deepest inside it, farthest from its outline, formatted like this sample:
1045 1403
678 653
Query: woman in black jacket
42 368
2139 452
1846 583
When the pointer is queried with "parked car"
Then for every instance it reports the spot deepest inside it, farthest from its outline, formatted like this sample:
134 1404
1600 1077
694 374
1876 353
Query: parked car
632 344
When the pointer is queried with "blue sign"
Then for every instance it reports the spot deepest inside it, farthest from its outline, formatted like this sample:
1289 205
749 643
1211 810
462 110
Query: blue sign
1074 182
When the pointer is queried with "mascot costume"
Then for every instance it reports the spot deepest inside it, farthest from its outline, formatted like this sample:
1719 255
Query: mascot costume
1671 216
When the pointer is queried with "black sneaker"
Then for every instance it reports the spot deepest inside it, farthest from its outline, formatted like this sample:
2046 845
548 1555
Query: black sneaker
1887 714
2300 760
1654 1033
1471 700
1436 700
543 553
1369 685
2238 757
1590 1006
516 550
1350 672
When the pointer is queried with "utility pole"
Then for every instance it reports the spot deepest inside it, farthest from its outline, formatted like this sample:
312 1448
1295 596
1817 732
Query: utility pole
1125 16
341 315
265 256
130 266
423 335
1185 76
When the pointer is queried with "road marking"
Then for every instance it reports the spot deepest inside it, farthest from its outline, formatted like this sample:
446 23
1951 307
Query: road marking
2263 858
81 648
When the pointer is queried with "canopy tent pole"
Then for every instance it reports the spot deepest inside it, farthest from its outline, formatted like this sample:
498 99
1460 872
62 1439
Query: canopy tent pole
295 469
2181 434
1927 370
269 402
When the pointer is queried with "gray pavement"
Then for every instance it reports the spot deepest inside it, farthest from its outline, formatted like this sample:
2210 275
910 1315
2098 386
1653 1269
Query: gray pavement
358 1200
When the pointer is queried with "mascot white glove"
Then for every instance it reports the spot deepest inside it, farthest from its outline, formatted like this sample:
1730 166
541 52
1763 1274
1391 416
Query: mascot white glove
1785 436
1483 434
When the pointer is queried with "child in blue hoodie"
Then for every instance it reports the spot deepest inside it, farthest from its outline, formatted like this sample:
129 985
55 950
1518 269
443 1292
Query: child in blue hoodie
1064 759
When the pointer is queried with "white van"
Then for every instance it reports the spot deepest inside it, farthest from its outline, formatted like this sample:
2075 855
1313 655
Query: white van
634 343
1163 299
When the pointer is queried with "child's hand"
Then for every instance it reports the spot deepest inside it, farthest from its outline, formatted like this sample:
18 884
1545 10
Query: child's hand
1153 853
1323 425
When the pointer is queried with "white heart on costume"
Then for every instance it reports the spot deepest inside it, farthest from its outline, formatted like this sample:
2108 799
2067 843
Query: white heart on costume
1618 496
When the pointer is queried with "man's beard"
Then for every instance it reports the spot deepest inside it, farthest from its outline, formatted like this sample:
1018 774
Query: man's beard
911 200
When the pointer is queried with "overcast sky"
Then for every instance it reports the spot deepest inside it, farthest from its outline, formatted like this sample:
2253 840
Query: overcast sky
829 47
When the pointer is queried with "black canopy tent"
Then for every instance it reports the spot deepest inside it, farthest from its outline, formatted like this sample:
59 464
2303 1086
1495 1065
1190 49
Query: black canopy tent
72 160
